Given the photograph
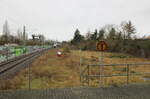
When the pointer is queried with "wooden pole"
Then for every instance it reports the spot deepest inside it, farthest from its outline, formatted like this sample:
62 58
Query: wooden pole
101 69
127 74
80 65
88 75
29 76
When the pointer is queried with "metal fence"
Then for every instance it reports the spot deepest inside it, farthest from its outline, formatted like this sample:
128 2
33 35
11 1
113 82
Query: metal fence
86 75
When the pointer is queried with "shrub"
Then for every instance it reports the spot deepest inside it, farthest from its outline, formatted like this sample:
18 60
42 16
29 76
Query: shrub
66 49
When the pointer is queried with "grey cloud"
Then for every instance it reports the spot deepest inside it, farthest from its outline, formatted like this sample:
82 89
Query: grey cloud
58 19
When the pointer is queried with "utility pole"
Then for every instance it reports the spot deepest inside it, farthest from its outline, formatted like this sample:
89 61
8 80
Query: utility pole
29 68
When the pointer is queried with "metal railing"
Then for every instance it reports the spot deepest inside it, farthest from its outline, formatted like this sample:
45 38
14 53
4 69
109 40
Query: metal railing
86 75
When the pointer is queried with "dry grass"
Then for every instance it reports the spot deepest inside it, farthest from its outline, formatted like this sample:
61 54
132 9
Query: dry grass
94 57
50 71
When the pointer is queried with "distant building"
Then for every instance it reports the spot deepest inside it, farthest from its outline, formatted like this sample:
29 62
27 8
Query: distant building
40 38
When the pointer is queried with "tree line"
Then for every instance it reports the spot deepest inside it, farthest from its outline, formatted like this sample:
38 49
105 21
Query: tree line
21 38
120 38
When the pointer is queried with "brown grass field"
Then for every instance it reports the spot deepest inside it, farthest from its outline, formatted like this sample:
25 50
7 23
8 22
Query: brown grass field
50 71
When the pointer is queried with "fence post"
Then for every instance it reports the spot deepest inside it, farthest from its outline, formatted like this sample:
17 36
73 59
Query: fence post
128 74
88 75
101 73
80 66
29 76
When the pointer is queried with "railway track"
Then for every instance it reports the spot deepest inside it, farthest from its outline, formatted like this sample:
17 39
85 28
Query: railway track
12 66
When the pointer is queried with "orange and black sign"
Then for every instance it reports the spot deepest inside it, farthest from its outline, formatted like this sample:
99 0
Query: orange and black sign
101 46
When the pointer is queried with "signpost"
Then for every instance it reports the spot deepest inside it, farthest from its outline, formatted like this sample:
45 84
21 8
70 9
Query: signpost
101 46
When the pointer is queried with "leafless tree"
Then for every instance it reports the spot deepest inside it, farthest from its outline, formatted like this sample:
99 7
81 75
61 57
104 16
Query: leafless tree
6 30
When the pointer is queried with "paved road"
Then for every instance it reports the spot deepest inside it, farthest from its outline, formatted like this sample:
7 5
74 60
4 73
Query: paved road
126 92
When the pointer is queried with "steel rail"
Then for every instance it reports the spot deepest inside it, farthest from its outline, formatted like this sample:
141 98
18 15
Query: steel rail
14 59
8 66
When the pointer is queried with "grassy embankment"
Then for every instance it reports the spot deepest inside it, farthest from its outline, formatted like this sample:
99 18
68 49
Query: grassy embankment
50 71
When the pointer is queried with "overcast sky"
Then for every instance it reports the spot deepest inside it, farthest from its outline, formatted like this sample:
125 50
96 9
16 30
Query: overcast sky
58 19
